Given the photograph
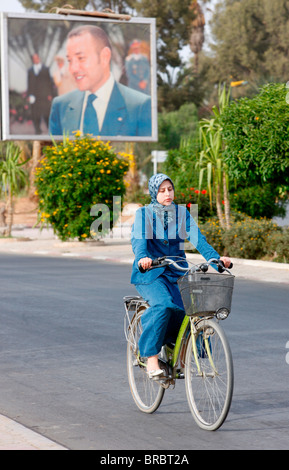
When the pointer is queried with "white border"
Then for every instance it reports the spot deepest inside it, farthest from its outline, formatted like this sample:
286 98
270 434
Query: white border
73 18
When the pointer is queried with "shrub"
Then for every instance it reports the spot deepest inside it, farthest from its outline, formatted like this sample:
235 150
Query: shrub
214 234
279 245
249 238
192 196
73 177
258 201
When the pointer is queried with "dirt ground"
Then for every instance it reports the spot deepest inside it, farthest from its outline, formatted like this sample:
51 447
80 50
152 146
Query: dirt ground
25 212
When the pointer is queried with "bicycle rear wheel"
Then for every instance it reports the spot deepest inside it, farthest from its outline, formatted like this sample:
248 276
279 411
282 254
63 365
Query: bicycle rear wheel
209 375
147 394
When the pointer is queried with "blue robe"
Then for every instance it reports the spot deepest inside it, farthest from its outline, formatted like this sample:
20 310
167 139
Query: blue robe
161 322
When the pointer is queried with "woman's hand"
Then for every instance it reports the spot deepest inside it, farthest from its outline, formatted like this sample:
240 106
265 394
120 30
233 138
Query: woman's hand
145 263
227 262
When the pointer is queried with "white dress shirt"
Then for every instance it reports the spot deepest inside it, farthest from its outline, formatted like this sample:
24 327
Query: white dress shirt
37 68
101 103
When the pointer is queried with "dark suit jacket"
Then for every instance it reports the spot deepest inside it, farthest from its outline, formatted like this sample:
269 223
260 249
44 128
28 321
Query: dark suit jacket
128 113
41 86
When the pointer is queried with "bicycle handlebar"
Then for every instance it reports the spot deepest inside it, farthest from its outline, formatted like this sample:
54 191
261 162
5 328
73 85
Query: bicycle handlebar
164 261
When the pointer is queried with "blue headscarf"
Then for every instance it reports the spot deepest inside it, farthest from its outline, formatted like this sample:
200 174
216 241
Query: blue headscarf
165 213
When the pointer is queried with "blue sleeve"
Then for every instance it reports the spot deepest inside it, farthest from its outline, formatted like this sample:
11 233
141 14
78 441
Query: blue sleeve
138 236
198 240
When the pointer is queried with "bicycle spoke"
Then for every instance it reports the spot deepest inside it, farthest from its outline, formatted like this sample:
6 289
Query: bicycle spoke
209 387
146 393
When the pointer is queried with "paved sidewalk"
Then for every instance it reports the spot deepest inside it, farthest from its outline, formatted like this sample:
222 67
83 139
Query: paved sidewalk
33 242
14 436
27 241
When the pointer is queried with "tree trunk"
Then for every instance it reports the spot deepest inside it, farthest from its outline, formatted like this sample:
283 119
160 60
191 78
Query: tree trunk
10 211
219 207
36 153
226 202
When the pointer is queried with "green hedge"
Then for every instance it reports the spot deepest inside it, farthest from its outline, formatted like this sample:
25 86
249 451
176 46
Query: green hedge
73 177
249 238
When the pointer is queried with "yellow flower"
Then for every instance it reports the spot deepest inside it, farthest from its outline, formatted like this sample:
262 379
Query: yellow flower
84 235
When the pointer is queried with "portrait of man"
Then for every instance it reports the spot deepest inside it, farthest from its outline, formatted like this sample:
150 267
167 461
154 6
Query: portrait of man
99 105
40 92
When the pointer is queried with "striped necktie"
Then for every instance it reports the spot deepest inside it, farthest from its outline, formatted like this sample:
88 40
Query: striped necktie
90 122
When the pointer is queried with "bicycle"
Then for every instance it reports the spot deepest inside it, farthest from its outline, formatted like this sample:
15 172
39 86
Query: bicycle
201 354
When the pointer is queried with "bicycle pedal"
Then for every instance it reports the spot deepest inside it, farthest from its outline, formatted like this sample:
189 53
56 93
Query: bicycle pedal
180 374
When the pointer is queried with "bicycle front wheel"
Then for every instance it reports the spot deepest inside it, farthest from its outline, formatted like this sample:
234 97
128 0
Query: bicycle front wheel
147 394
209 375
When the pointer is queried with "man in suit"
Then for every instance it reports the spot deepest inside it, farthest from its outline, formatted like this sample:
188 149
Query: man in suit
99 106
40 92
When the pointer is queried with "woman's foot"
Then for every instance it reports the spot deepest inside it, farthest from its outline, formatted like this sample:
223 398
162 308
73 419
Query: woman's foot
153 368
152 363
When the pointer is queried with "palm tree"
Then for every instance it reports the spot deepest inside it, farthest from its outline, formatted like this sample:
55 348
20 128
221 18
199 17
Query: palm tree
13 177
197 35
211 159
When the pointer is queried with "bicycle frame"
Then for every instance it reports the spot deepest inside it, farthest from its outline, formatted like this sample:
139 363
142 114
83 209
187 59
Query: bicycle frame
173 362
179 341
173 359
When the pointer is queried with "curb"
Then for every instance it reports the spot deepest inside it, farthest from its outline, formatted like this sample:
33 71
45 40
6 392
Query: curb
120 252
33 242
15 436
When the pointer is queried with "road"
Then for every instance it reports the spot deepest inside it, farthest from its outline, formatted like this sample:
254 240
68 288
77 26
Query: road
63 364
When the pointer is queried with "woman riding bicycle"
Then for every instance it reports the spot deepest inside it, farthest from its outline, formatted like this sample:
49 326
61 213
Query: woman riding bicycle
160 229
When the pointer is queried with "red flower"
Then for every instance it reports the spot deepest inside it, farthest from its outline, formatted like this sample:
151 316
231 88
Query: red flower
197 191
192 189
204 191
189 205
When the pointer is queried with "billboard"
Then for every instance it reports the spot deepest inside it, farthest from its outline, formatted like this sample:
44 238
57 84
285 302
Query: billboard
63 74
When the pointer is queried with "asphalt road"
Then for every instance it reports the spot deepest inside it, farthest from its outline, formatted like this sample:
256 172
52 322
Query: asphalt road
63 364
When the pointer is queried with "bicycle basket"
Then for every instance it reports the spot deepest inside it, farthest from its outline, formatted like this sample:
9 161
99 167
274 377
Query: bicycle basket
204 294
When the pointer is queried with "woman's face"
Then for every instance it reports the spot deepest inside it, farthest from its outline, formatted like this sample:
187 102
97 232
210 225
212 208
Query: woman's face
166 193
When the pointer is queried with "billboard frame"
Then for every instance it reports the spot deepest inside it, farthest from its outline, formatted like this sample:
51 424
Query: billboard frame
7 133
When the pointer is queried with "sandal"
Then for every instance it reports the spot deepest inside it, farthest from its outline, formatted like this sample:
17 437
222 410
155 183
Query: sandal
155 374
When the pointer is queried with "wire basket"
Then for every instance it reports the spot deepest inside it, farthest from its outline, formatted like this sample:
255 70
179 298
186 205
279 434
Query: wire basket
205 294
